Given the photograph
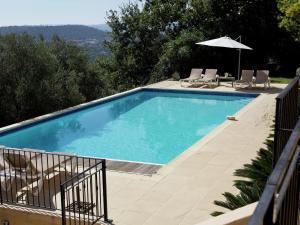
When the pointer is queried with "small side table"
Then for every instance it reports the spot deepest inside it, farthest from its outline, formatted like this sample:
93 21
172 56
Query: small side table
232 79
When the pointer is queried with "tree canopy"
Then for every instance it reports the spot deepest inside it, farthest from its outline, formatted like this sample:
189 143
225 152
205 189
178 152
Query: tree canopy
290 18
152 42
38 77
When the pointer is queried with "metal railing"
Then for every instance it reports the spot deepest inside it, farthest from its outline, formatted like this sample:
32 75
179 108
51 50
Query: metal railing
286 116
34 178
280 199
84 197
279 203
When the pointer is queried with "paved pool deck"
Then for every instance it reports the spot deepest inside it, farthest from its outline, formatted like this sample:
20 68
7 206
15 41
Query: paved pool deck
182 192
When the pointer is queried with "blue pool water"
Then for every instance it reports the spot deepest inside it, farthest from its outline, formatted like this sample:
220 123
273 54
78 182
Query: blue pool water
147 126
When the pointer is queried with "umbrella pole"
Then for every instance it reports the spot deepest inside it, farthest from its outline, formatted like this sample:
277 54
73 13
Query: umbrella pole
239 62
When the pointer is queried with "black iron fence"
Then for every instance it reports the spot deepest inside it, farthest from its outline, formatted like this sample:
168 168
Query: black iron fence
84 196
40 179
279 203
280 200
286 116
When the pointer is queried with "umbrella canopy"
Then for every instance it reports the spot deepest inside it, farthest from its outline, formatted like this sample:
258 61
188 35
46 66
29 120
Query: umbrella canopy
225 42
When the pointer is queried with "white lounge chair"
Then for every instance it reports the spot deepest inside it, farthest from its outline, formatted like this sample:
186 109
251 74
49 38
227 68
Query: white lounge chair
44 189
209 77
51 169
5 175
10 181
194 76
36 162
246 78
37 169
262 77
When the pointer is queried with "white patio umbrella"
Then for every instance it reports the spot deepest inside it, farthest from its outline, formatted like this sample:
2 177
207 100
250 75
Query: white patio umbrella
227 42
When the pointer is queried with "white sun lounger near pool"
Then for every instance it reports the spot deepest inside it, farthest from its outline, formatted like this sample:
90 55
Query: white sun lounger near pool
35 168
262 77
209 77
194 76
246 78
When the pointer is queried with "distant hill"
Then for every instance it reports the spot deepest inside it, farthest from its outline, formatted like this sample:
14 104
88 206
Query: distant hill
103 27
84 36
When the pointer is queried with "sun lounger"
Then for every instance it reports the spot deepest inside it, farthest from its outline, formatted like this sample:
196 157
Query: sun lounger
194 76
262 77
209 77
5 175
21 160
36 162
43 190
10 181
36 169
246 78
56 167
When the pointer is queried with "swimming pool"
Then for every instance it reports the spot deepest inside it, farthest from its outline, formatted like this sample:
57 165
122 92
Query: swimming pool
147 125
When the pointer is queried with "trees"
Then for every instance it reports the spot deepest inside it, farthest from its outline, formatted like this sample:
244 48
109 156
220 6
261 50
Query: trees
37 77
25 74
135 44
140 42
178 56
152 42
290 18
257 22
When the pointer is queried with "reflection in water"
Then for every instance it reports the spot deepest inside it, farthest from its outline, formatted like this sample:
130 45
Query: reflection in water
52 135
146 126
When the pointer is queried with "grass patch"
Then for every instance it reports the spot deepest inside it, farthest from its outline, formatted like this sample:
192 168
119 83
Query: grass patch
280 80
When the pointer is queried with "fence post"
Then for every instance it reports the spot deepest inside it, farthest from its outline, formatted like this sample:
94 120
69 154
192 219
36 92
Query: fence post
104 190
1 198
276 132
63 207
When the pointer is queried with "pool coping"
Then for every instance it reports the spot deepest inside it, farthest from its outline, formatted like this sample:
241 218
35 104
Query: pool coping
159 167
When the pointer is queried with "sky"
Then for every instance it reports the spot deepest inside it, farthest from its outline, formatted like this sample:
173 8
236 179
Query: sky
55 12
